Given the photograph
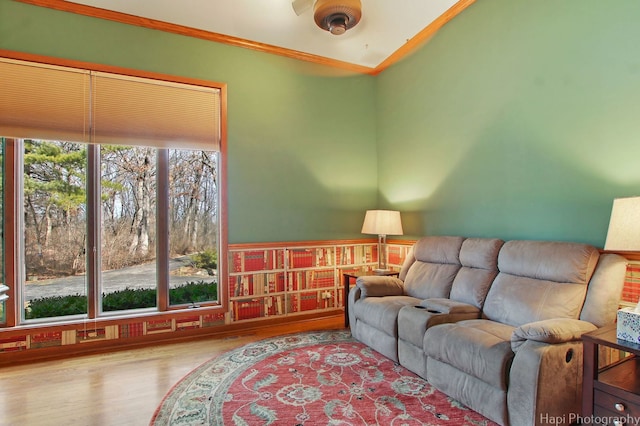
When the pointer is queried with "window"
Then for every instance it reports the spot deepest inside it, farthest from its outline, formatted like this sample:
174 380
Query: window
117 194
193 219
3 286
128 227
54 224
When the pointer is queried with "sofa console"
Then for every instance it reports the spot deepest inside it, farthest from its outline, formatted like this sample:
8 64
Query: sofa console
496 325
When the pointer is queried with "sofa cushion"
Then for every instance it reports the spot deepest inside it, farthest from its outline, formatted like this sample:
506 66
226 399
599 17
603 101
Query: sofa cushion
518 300
539 280
480 253
438 249
479 260
413 322
427 280
436 264
480 348
549 260
381 313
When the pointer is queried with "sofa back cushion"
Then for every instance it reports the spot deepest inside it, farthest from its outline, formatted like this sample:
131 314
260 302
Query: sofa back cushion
540 280
479 260
437 261
605 290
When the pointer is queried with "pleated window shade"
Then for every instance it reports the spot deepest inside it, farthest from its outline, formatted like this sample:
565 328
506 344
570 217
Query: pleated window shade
44 102
137 111
58 103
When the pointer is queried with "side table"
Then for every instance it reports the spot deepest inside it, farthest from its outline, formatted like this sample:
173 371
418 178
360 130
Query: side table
611 391
346 282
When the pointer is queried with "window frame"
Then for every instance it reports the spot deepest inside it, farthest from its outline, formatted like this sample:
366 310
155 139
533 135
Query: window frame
13 315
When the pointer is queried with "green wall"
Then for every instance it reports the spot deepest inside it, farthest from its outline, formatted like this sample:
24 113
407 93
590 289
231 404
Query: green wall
301 137
519 119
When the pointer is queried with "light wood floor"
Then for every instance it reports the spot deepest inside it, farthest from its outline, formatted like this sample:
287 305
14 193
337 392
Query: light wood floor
119 388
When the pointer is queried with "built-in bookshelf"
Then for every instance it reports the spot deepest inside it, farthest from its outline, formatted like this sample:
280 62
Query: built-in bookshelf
273 281
265 281
631 290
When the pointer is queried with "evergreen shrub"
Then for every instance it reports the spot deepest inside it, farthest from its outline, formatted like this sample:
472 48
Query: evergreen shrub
129 298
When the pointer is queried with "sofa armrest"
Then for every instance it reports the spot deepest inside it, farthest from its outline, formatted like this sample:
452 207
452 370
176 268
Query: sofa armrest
379 285
552 331
545 380
448 306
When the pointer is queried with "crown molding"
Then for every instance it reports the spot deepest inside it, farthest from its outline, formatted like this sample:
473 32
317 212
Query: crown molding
411 45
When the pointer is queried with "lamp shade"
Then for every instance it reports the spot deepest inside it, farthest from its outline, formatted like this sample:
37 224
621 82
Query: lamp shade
624 225
382 222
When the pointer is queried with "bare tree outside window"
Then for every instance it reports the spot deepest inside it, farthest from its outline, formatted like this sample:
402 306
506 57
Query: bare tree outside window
128 231
193 223
55 228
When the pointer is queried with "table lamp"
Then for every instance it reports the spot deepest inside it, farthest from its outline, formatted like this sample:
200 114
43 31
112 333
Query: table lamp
382 223
624 236
624 225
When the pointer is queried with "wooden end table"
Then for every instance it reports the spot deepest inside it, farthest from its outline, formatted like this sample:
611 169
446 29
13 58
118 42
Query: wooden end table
346 282
612 391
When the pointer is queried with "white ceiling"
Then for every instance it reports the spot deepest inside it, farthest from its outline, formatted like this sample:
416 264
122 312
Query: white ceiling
386 25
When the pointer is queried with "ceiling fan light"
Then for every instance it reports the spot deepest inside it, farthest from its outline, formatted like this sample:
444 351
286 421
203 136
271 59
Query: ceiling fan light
337 16
338 25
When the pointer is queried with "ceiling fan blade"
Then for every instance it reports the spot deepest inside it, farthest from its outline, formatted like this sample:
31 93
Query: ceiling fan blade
301 6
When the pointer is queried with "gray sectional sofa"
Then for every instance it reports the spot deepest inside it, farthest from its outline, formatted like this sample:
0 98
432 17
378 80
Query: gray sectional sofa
496 325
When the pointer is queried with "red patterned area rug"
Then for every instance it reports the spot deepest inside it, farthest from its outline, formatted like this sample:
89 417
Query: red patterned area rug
312 378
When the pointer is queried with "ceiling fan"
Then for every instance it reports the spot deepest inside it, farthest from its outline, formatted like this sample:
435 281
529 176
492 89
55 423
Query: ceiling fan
335 16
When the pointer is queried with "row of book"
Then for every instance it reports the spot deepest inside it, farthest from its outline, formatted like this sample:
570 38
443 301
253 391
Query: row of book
302 280
316 257
89 331
256 260
631 289
310 257
274 282
357 254
256 284
259 307
396 254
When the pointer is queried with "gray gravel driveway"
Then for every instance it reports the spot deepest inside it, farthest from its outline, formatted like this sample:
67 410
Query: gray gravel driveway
140 276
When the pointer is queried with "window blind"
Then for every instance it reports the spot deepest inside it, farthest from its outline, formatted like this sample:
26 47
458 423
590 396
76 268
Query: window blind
137 111
43 102
59 103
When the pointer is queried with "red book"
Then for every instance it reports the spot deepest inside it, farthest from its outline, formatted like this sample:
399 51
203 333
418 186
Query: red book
308 301
236 262
134 329
292 303
248 309
44 340
210 320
